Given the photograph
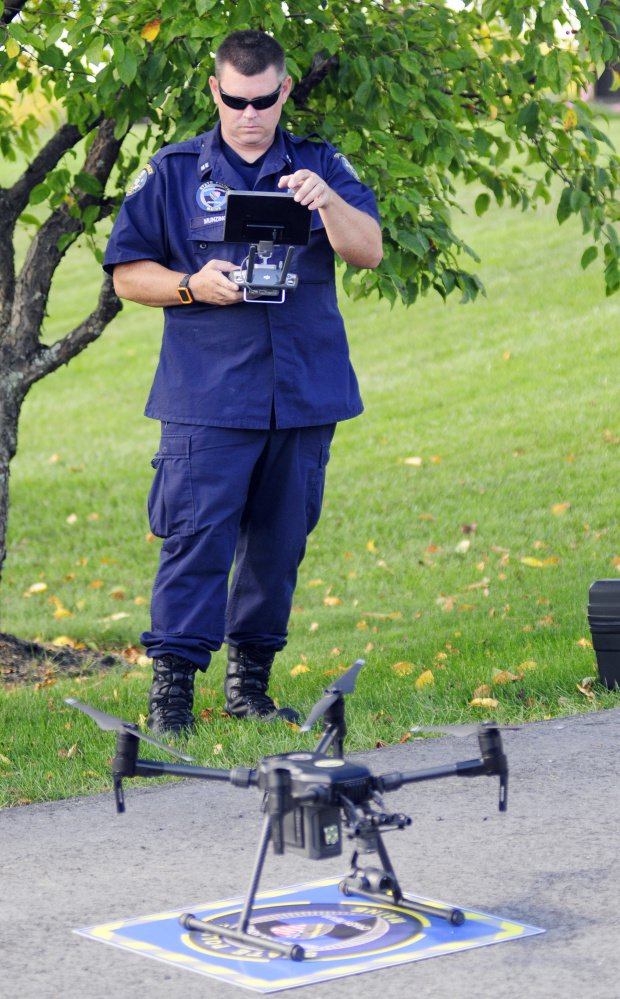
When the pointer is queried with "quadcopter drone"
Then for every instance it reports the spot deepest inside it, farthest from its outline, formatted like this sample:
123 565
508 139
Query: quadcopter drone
311 801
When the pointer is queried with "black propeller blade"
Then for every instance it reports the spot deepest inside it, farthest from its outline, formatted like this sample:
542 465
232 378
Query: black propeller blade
460 731
110 723
344 685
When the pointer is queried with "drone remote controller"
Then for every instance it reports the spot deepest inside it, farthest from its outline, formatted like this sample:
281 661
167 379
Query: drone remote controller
265 282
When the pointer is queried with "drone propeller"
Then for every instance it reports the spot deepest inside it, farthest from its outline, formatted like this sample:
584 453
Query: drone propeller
460 731
109 723
344 685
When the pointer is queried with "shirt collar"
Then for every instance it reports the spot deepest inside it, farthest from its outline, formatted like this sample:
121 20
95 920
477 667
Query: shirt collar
210 153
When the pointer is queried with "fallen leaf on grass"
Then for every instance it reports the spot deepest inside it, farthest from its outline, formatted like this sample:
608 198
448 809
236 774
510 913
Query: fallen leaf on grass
483 702
483 691
115 617
415 461
505 676
64 640
402 668
62 612
584 643
314 582
332 601
299 669
559 509
218 748
405 738
446 603
527 664
35 588
585 688
425 679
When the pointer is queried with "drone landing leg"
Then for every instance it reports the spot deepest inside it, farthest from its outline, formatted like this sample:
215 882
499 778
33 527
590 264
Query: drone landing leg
240 934
382 885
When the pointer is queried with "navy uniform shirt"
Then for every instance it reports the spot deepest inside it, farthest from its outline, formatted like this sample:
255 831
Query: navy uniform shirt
233 365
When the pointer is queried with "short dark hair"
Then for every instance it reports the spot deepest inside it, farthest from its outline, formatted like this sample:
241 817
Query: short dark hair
250 53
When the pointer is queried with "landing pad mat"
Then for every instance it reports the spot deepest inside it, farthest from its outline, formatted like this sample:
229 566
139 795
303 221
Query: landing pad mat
341 935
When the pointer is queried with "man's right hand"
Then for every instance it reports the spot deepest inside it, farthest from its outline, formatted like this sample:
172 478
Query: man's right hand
211 285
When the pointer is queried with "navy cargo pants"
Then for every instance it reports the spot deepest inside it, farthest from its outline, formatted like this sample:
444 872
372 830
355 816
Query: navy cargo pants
221 495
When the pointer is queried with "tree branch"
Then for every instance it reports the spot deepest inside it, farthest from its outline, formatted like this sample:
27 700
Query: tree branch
11 10
33 284
64 139
320 69
50 358
13 200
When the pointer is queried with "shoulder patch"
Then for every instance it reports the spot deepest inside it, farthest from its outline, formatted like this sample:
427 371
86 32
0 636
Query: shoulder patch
140 181
341 158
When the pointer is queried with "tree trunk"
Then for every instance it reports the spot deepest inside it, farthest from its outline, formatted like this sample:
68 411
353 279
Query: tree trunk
23 297
11 399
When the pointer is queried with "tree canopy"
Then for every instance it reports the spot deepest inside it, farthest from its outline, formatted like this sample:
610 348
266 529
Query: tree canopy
422 97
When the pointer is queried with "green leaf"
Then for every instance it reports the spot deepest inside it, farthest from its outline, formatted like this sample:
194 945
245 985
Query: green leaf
589 256
86 182
129 67
482 204
39 194
564 207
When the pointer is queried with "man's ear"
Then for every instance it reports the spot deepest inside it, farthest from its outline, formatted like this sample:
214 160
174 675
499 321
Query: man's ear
215 93
286 88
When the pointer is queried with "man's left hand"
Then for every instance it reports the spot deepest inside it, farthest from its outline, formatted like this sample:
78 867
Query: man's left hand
308 187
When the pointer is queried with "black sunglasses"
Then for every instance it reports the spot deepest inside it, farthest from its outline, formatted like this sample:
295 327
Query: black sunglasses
258 103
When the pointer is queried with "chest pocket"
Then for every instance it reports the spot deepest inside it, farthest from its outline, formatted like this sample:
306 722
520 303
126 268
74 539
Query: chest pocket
206 229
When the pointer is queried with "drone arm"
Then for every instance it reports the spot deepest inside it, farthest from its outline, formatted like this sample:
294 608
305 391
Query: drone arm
492 763
239 776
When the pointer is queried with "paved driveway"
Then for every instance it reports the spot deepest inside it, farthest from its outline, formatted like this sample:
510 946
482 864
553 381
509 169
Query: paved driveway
552 861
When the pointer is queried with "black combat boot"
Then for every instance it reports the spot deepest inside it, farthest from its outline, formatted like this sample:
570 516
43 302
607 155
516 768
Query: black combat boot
172 695
247 679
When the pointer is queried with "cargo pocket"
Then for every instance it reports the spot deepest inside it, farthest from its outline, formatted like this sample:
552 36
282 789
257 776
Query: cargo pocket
315 487
171 499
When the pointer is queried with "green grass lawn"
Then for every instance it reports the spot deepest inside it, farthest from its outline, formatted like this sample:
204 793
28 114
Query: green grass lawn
467 513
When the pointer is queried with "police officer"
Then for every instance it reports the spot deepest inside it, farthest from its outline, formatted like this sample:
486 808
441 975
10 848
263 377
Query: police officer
248 394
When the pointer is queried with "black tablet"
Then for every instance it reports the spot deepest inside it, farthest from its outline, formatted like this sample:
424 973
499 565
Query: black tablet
254 216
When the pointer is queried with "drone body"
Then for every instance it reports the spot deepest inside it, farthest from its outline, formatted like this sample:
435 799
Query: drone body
312 802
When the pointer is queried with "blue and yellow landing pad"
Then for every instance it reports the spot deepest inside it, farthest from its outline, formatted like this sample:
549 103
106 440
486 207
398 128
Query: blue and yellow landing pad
341 936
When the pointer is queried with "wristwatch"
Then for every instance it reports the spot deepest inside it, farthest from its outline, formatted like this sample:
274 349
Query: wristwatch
184 291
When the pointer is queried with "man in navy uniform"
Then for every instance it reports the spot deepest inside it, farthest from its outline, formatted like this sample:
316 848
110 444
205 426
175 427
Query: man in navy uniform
248 394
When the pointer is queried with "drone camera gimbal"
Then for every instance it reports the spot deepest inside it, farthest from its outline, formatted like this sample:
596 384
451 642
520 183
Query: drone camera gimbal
312 801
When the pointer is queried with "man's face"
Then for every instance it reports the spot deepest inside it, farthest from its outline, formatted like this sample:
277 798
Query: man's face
248 131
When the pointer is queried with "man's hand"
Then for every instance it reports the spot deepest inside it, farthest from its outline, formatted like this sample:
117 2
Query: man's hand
211 285
309 188
353 235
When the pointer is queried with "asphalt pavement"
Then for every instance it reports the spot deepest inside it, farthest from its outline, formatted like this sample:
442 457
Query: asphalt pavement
551 861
